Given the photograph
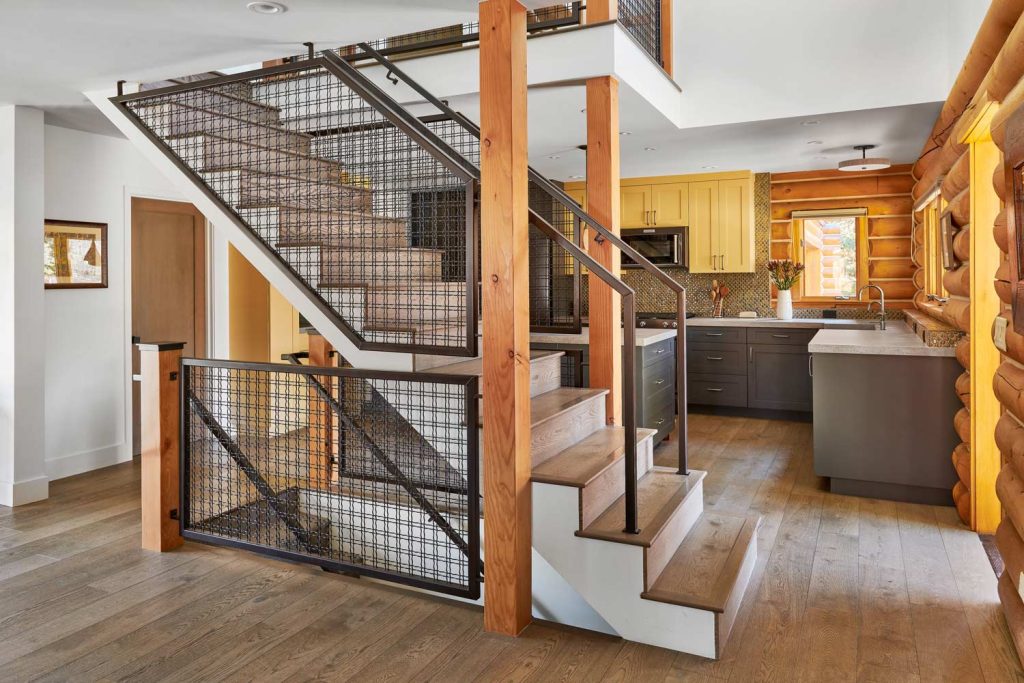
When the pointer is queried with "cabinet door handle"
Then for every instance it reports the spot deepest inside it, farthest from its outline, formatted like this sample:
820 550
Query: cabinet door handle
722 256
750 354
713 358
714 334
780 336
714 390
654 215
810 365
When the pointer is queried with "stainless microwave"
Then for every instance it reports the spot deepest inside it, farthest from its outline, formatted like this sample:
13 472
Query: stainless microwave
664 247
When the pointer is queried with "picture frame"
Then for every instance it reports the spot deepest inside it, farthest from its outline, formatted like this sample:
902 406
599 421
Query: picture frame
74 255
947 231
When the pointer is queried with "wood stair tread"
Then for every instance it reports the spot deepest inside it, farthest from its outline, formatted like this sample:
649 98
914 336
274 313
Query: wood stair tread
300 179
583 462
254 145
551 404
659 493
704 569
475 366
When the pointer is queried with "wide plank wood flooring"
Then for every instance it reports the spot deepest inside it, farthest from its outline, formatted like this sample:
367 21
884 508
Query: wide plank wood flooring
845 589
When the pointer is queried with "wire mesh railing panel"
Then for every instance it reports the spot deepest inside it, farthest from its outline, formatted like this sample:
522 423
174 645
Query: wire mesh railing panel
327 466
371 219
642 20
554 275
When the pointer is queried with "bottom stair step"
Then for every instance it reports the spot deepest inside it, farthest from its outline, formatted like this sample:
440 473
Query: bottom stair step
710 569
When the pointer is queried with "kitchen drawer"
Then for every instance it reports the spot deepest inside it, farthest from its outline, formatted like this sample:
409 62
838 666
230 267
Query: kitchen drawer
781 335
718 390
653 353
660 412
660 375
725 335
716 359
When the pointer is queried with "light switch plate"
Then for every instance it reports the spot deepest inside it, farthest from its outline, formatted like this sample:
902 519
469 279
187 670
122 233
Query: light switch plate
999 333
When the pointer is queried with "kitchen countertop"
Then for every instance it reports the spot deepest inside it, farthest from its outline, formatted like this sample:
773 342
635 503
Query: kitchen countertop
796 323
896 340
644 337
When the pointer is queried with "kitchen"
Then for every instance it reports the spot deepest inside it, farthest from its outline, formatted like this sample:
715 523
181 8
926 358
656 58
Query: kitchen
854 357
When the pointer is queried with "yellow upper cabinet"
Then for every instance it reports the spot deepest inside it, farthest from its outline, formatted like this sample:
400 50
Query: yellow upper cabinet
735 226
579 195
635 206
703 210
670 204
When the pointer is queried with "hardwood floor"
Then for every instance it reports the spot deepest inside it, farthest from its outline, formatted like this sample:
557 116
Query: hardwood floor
846 589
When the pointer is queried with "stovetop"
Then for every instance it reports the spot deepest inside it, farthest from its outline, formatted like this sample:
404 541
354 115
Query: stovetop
665 321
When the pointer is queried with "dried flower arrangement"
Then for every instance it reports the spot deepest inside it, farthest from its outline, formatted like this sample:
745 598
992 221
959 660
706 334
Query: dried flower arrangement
784 273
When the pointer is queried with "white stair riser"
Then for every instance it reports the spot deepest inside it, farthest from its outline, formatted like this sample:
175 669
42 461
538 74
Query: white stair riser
609 576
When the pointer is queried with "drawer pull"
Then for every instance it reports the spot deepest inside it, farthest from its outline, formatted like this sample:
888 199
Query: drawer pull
713 358
714 334
780 336
714 390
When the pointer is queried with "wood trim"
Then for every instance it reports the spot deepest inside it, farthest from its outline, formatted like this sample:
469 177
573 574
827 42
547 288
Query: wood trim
666 36
598 11
603 204
321 420
985 258
506 317
833 174
160 448
670 179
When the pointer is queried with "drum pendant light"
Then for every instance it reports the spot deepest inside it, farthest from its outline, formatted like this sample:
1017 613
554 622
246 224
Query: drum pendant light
865 163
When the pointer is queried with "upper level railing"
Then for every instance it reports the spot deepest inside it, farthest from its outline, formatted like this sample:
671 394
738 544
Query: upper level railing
642 19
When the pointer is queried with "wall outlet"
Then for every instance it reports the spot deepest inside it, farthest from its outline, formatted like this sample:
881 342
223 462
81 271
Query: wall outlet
999 333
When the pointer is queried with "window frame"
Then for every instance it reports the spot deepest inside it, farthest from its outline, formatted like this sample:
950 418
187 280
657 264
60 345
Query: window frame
797 249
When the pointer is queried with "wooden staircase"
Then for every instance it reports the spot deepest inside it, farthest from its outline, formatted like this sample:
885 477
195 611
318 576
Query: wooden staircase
680 581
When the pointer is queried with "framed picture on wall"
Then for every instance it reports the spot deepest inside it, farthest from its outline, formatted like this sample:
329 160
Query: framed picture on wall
74 255
947 231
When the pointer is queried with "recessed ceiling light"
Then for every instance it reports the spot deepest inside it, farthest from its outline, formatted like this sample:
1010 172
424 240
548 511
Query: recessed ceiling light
814 142
648 149
709 168
810 123
583 111
554 156
575 177
625 132
267 7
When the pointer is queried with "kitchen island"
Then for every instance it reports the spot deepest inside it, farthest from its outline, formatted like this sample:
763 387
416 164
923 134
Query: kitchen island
883 414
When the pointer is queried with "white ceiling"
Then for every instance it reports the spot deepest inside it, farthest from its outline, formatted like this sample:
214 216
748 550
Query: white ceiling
870 71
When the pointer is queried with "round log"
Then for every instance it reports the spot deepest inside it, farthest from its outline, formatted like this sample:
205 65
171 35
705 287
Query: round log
960 207
963 388
1011 547
962 500
957 312
963 352
921 302
962 463
1008 385
962 244
897 290
1010 490
1004 289
962 424
1014 341
958 282
1000 233
917 256
919 278
999 180
958 179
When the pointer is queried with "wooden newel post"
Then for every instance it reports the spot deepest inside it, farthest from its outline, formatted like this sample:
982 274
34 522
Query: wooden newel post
161 420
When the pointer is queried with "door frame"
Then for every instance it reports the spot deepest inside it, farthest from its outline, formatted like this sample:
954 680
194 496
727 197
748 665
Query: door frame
132 193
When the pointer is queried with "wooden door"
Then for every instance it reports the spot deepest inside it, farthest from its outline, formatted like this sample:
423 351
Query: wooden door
703 218
635 207
670 204
735 228
168 280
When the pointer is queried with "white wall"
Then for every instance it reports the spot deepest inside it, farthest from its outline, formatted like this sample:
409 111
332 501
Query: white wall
87 333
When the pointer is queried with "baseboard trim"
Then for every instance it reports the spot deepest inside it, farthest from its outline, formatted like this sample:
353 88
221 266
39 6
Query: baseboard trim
86 461
24 492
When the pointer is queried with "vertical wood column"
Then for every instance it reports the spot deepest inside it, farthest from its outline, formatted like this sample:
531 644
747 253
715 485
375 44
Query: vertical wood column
666 37
321 419
601 10
160 419
506 316
603 204
986 511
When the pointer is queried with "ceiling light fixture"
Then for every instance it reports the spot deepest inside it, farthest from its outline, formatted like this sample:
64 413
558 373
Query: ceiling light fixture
810 123
267 7
554 156
648 149
814 142
865 163
575 177
709 168
625 132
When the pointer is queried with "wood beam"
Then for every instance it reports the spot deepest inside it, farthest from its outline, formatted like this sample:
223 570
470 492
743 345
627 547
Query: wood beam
506 317
160 419
985 258
666 36
603 204
601 10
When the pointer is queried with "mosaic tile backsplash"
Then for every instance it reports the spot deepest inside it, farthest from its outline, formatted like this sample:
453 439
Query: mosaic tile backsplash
750 291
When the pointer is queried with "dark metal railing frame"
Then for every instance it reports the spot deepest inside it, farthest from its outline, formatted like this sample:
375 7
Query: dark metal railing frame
581 217
392 111
470 384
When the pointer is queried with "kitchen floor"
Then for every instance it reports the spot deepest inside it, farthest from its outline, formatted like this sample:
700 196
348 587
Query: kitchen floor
845 588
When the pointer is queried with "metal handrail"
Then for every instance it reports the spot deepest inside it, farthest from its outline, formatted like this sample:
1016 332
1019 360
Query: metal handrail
603 233
628 359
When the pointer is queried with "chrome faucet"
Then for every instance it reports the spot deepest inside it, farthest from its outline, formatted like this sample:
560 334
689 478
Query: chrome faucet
881 303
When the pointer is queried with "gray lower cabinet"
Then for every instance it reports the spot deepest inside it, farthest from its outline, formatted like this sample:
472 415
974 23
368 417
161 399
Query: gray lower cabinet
737 367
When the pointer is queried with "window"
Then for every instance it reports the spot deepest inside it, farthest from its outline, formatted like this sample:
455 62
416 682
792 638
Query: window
829 244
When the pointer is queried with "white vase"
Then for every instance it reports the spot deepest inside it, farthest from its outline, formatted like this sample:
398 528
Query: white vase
784 305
